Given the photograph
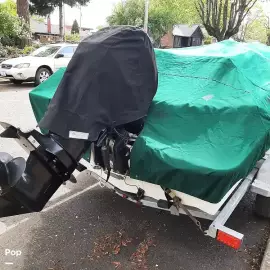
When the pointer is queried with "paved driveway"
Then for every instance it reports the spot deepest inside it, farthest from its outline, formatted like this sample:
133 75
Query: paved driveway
15 109
87 227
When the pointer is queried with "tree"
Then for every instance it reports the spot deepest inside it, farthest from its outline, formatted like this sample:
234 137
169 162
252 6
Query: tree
75 28
163 14
222 19
23 10
38 18
100 27
8 18
12 29
74 38
253 26
44 8
256 31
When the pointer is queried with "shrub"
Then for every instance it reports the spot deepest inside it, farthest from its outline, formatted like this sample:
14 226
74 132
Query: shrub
207 41
13 51
3 51
8 41
36 46
28 50
73 38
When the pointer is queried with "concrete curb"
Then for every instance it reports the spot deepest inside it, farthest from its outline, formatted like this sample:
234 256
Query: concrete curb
266 258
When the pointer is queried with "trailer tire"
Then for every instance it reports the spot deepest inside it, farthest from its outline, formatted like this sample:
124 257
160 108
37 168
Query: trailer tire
262 206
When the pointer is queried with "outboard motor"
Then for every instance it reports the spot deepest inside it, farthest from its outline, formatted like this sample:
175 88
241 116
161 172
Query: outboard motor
101 101
29 185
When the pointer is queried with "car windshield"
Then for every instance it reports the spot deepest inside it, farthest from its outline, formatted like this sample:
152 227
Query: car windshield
45 51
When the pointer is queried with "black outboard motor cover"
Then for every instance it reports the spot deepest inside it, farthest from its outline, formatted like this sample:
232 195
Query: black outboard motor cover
110 81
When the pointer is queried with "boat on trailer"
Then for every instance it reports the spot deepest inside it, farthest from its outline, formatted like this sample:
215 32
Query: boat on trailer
184 131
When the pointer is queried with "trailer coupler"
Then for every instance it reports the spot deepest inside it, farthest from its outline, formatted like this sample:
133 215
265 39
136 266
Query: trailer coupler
27 185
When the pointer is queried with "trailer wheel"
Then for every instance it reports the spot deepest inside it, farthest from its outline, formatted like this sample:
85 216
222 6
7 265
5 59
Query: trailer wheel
262 206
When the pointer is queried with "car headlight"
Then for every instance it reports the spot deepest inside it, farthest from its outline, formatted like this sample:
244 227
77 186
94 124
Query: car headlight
25 65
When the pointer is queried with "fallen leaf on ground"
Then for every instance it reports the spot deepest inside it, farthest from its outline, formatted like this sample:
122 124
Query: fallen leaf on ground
116 249
110 244
138 258
116 264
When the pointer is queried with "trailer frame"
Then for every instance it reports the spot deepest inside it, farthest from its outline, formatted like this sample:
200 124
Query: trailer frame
217 228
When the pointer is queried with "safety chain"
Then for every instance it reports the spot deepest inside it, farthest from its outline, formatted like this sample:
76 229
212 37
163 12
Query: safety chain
178 204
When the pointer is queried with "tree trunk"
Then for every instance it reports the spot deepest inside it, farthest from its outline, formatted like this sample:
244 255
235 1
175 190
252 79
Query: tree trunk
23 10
61 28
268 39
222 18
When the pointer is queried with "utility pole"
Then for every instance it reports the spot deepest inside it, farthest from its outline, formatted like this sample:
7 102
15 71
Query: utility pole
146 15
80 18
64 16
61 32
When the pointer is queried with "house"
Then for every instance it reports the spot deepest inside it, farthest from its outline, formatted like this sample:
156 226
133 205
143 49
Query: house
183 35
84 31
46 32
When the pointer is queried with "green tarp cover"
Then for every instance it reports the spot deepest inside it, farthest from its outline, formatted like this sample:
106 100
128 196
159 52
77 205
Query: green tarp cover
209 122
41 96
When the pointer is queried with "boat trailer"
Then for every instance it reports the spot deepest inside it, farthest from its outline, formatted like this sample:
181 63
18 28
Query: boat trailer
31 195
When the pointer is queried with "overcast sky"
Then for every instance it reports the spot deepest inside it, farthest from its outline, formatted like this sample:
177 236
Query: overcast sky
93 15
97 11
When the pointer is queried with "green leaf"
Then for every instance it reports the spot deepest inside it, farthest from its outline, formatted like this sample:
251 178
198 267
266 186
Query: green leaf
163 14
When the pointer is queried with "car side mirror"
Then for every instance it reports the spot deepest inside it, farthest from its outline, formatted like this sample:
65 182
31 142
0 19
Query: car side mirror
59 55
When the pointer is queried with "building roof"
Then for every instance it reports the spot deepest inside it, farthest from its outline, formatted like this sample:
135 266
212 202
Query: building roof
41 27
184 30
63 44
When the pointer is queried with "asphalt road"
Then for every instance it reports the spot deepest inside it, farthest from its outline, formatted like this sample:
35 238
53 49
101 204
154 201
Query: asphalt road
92 228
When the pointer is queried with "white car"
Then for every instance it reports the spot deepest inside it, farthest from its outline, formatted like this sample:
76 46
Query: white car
40 65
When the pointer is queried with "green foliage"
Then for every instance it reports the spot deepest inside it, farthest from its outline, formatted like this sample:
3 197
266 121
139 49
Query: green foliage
14 52
38 18
254 27
8 41
74 38
28 50
130 12
207 40
3 51
100 27
163 14
12 29
36 46
75 28
8 18
44 8
256 31
222 19
10 7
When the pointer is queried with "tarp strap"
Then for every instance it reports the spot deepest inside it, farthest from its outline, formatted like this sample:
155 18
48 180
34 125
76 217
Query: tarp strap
178 204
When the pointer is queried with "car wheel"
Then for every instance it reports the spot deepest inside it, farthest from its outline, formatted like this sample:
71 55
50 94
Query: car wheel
42 75
16 81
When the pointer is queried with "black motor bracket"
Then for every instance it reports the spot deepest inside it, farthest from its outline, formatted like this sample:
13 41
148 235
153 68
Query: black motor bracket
28 185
